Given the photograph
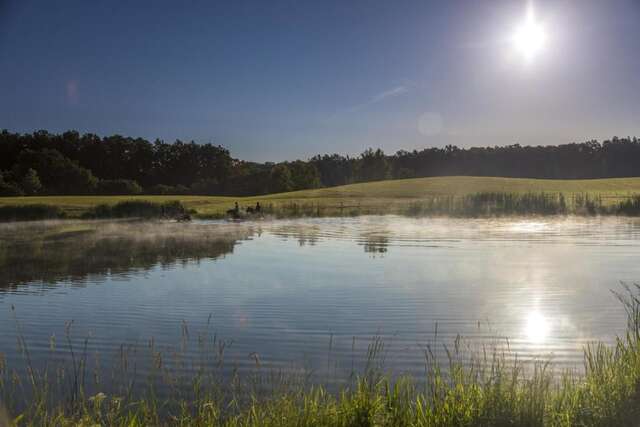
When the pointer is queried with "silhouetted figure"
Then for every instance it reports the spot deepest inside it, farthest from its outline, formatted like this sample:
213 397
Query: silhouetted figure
235 212
185 217
257 208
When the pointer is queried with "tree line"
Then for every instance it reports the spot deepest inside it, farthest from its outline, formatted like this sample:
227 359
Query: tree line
71 163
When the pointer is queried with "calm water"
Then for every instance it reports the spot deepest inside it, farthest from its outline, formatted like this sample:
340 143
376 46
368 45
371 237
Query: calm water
310 294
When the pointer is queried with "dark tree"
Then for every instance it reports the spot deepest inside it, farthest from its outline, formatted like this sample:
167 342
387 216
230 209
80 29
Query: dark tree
58 174
373 166
280 179
70 163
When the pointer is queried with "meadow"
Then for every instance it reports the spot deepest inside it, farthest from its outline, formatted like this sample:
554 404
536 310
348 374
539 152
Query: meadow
381 197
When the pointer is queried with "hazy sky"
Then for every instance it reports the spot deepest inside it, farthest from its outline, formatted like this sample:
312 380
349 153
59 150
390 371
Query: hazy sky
289 79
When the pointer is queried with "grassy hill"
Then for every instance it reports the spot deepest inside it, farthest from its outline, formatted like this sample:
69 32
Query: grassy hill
371 197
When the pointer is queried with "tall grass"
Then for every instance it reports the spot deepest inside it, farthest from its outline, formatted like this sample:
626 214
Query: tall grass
478 204
630 206
138 209
474 205
509 204
11 213
492 388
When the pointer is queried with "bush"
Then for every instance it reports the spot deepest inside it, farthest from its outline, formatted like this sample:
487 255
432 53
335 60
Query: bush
630 207
29 212
206 186
138 209
165 190
181 189
9 189
114 187
31 183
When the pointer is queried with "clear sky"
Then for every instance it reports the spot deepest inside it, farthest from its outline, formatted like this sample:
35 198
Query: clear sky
289 79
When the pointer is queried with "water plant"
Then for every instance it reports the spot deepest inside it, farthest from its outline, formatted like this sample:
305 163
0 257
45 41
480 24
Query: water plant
492 388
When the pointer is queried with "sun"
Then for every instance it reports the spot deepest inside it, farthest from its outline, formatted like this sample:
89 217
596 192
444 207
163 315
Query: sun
530 37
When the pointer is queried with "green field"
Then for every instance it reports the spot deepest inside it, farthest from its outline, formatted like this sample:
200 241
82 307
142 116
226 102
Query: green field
372 197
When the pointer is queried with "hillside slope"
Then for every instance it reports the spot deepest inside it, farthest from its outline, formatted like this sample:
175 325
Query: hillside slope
370 197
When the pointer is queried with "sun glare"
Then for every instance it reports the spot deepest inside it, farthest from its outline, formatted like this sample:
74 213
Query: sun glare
537 327
529 39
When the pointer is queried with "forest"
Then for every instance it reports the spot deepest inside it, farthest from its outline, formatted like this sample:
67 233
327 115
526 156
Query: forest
73 164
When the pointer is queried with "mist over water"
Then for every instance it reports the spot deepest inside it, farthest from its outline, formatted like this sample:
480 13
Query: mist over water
309 294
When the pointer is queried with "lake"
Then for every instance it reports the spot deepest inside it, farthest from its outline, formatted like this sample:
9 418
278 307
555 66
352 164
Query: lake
311 295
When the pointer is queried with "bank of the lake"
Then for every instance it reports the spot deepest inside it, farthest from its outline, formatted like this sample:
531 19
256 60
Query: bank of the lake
406 196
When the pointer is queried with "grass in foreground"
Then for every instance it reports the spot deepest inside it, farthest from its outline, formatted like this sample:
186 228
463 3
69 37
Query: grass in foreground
490 389
393 196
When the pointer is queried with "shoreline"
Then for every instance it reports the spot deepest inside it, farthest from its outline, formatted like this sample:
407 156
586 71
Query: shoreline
472 205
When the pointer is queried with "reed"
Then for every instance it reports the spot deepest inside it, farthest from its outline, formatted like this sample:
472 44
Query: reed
392 196
489 204
630 207
471 204
137 209
490 388
10 213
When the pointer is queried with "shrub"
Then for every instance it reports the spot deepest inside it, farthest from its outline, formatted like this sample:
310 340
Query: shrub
165 190
137 209
118 187
181 189
630 207
31 183
206 186
9 189
29 212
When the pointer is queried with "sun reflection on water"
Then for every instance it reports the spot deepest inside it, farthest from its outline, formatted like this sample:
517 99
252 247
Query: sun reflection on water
528 226
537 327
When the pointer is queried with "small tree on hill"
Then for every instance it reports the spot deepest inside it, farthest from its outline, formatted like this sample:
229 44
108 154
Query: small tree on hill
31 183
280 179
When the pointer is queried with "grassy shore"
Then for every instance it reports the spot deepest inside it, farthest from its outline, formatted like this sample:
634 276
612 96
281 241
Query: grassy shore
492 388
395 196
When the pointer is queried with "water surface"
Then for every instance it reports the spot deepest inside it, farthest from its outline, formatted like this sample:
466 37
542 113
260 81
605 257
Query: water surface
311 293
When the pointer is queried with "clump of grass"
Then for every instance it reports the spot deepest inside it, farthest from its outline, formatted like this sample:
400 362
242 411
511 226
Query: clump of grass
630 207
30 212
472 205
493 204
491 389
138 209
499 203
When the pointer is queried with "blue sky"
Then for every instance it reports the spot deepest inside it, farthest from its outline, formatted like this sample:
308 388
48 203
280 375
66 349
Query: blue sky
290 79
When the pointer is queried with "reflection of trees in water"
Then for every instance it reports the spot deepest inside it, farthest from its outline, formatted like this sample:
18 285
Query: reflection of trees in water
305 235
375 244
74 252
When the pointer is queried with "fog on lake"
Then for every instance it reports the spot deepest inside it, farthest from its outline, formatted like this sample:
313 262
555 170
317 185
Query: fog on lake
310 294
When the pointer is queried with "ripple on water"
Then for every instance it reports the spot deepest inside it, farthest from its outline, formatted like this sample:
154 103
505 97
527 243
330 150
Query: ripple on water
311 293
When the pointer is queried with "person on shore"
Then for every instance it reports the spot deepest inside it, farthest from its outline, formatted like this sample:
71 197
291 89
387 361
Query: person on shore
235 212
